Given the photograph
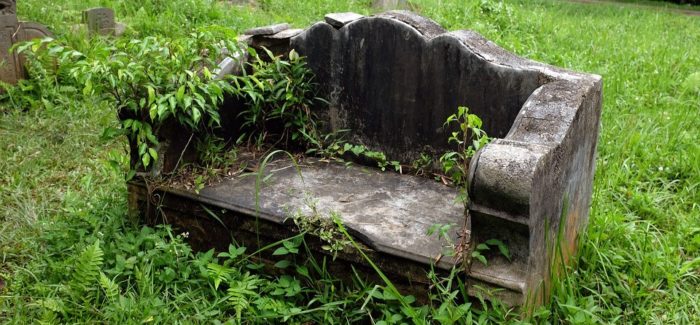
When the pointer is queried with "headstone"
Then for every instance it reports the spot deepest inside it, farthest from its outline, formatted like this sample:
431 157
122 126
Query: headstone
13 31
10 70
100 21
31 30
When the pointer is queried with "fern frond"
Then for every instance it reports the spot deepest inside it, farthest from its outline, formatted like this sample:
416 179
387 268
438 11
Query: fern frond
240 291
87 267
110 287
218 273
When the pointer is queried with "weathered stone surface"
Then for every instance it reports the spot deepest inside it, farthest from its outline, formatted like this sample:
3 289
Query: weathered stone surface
389 211
8 7
341 19
277 43
11 32
392 80
399 74
100 21
31 30
285 34
10 69
231 64
119 29
243 2
267 30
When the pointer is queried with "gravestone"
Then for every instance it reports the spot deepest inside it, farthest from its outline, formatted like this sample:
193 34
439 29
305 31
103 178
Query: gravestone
13 31
100 21
391 80
9 70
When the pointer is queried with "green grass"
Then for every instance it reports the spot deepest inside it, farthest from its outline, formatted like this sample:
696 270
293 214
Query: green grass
639 261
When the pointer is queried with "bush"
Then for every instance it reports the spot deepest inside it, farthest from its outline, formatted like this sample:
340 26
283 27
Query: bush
148 81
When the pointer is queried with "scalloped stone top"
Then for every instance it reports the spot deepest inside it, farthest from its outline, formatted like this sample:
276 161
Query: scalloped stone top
393 79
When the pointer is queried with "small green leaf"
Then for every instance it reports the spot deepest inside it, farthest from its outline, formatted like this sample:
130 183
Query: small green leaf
180 93
196 115
283 264
480 257
153 153
281 251
151 95
293 55
302 270
146 160
87 90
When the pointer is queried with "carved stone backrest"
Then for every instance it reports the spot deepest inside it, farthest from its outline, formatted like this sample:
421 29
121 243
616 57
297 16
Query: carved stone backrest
393 79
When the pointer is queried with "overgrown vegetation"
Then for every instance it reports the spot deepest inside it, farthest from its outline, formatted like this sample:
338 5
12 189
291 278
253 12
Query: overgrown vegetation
64 204
278 96
147 81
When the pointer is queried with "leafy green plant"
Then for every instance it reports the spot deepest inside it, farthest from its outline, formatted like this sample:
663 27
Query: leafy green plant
278 96
338 148
48 84
468 138
324 227
215 153
149 82
478 251
87 268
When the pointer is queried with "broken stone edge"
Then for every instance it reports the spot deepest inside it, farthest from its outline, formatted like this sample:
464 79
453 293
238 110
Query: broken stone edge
524 178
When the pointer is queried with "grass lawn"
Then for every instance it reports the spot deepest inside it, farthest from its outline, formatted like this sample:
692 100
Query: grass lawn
70 254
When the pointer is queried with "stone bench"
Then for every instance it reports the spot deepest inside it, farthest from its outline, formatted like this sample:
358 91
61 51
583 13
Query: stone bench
392 80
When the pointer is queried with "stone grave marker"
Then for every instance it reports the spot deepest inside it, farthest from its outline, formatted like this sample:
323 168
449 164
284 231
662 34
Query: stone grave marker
13 31
9 69
391 80
100 21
